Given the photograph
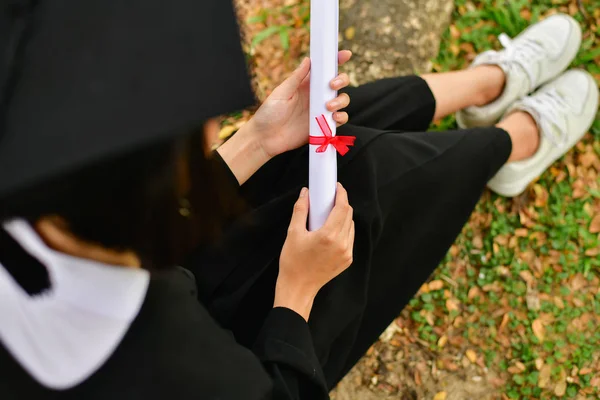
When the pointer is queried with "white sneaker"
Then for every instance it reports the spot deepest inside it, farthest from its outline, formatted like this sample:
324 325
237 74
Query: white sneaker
539 54
564 111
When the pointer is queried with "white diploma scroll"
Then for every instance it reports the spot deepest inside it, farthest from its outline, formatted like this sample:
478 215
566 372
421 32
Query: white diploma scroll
324 68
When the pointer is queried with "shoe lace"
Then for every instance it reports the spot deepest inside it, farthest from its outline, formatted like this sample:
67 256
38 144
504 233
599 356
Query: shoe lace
522 53
549 107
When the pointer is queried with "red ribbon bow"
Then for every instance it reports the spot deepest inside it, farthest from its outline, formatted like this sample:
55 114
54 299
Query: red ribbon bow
341 143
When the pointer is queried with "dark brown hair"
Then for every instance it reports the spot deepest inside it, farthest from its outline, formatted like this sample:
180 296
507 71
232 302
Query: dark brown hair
133 201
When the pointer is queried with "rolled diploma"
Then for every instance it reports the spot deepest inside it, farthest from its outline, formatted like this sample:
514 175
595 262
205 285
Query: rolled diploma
324 68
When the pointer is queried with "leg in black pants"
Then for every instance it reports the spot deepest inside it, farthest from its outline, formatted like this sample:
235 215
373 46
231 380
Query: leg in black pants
412 192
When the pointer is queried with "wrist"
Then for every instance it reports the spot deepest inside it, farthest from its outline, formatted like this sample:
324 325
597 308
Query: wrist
244 153
295 298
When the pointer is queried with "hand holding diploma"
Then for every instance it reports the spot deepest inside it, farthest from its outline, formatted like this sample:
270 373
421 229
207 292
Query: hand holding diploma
284 116
282 122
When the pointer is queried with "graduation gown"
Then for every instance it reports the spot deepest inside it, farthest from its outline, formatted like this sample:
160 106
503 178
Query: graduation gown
213 334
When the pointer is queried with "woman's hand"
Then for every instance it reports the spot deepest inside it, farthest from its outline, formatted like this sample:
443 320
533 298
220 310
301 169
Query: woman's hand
309 260
282 122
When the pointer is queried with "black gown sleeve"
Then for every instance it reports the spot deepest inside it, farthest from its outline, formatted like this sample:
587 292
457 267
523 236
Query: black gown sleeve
226 171
285 348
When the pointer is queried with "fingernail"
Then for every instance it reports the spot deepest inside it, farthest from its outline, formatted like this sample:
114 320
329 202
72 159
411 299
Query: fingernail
337 82
334 104
303 192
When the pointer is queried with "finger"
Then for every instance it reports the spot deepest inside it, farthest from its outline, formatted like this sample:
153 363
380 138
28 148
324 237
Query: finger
342 101
287 89
344 56
300 214
337 217
340 82
347 224
351 235
341 118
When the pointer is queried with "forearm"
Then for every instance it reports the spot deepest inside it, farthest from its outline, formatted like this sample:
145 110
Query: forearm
243 153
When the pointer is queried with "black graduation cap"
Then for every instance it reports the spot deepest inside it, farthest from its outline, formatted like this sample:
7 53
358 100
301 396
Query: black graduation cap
82 80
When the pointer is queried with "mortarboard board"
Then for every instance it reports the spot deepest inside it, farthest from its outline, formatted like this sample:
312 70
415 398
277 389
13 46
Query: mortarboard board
83 80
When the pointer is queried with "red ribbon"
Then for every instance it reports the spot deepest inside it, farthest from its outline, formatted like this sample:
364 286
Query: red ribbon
341 143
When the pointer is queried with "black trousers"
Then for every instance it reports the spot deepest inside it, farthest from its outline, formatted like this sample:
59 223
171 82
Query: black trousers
412 192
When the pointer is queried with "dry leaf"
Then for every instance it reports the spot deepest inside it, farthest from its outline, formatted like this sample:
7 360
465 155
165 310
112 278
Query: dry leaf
471 355
436 285
533 300
544 377
560 389
558 302
442 342
513 369
585 371
226 131
595 225
521 232
538 329
473 292
478 242
454 32
452 305
539 363
350 33
527 277
418 380
504 322
440 396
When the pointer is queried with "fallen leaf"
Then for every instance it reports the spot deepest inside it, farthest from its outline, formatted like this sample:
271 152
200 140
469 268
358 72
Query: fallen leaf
521 232
558 302
473 292
544 377
492 287
538 329
526 14
436 285
595 224
527 277
533 300
578 302
471 355
452 305
513 369
418 380
440 396
350 33
560 389
478 242
539 363
454 32
585 371
505 319
442 341
226 131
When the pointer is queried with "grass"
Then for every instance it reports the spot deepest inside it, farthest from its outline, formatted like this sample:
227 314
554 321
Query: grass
532 262
519 292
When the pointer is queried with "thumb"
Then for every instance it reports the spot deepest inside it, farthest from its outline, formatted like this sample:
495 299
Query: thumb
287 89
300 215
